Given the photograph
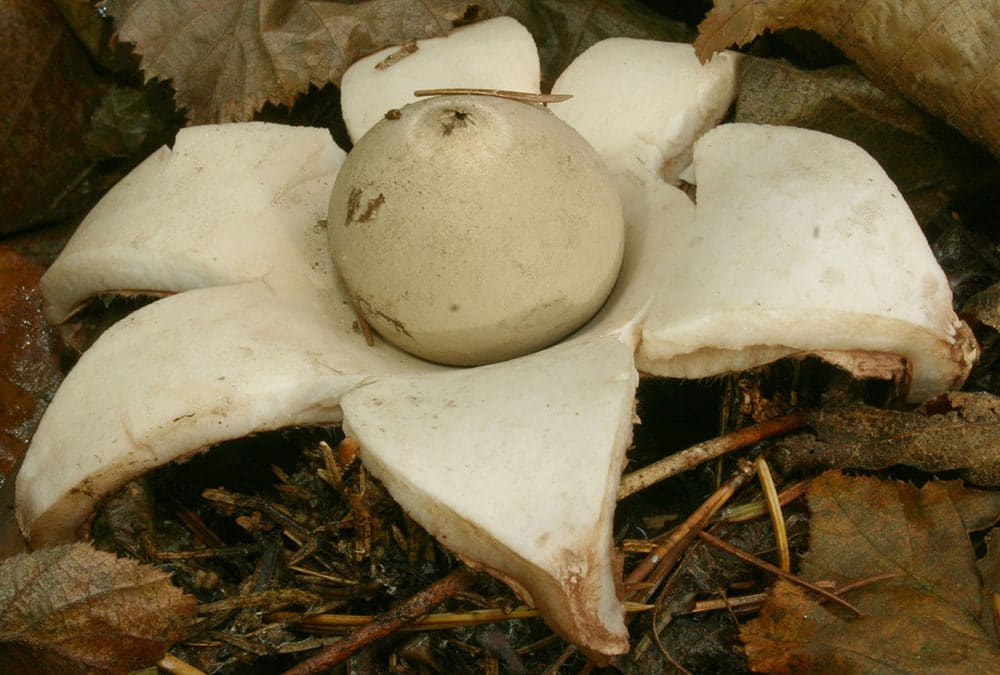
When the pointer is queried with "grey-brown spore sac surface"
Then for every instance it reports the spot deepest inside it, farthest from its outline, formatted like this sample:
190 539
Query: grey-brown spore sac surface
487 227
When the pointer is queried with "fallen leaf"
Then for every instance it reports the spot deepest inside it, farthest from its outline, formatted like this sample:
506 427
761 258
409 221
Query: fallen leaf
923 620
989 571
48 84
227 58
941 54
959 431
933 166
985 306
74 609
862 526
29 376
978 509
29 357
132 122
564 29
95 32
971 262
905 632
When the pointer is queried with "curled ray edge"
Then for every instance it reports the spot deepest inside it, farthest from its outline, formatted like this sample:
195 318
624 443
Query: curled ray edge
278 346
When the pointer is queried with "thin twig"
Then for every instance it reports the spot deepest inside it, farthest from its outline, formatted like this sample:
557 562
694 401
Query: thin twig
702 452
269 599
677 545
329 623
198 528
768 567
658 564
405 49
224 552
864 581
774 509
175 666
752 602
742 602
752 510
667 655
525 96
254 502
995 606
387 623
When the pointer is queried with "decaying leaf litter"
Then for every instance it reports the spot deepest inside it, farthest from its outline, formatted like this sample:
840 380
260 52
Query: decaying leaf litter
762 397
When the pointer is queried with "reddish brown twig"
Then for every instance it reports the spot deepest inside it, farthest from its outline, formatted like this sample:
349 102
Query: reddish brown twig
751 603
525 96
864 581
662 559
773 569
702 452
386 623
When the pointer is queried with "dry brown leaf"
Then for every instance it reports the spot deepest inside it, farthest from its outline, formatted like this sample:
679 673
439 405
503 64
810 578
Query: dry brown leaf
958 431
989 572
985 306
48 84
75 609
978 509
923 620
942 54
862 526
796 634
563 29
227 58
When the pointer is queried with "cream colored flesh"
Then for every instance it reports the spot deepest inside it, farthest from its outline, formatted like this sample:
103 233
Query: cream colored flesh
801 244
559 423
229 203
185 373
642 104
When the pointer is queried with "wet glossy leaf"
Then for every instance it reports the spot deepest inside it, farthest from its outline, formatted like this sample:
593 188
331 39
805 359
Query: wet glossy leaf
29 365
74 609
943 54
925 619
958 431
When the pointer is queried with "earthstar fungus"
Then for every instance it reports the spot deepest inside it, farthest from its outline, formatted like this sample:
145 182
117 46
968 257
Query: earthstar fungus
799 244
